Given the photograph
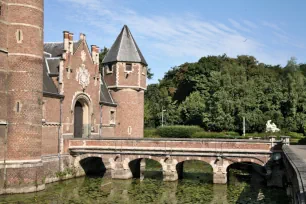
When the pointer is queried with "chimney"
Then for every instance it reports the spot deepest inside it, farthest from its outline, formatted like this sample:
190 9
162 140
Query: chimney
97 55
82 36
94 53
71 43
66 40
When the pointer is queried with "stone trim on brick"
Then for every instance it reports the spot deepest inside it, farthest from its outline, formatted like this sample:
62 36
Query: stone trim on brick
26 55
3 50
26 5
25 24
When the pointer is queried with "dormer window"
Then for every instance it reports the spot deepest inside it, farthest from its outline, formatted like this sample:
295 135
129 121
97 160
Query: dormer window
128 67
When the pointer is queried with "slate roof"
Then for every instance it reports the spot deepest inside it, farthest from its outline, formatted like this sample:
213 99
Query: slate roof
49 85
53 65
56 49
124 49
105 96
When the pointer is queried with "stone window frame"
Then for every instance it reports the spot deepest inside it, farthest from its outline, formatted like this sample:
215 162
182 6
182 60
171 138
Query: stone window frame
128 71
112 117
129 130
110 68
144 70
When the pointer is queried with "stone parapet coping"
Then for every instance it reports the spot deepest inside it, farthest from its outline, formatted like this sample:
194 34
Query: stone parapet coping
178 139
119 149
299 166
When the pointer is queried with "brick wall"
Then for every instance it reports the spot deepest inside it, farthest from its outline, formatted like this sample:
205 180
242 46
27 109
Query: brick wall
130 113
50 139
25 80
110 78
128 78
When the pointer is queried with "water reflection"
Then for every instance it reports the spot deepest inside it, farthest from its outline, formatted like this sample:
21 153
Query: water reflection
196 187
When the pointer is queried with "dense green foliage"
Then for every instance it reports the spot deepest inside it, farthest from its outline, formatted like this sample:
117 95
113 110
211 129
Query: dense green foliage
178 131
217 92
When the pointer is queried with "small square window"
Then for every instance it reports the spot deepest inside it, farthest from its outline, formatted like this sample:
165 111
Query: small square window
112 117
128 67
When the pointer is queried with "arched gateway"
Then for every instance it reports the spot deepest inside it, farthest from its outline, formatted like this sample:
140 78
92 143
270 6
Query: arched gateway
82 111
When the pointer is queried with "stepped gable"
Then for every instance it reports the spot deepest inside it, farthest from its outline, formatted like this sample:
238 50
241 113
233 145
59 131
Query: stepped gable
125 49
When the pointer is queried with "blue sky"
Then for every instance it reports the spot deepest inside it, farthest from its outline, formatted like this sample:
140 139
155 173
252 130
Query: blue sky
171 32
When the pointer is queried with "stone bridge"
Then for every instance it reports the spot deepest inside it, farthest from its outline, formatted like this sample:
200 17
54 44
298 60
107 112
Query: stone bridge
123 157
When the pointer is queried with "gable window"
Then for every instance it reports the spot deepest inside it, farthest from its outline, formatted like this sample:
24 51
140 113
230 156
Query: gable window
128 67
112 117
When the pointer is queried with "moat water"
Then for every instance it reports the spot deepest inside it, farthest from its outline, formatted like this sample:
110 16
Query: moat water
196 187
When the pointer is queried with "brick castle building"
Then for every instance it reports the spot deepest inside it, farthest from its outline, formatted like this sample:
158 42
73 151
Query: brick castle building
53 91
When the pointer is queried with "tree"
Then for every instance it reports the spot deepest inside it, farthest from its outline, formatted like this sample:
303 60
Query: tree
102 54
192 109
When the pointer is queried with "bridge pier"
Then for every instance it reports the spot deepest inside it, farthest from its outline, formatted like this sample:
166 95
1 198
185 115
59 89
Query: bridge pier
142 168
219 171
169 169
120 169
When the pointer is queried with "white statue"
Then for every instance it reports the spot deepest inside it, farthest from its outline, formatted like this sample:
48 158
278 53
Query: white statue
271 127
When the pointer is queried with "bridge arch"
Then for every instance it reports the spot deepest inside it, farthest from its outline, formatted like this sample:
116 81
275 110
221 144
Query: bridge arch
250 165
90 164
139 166
198 166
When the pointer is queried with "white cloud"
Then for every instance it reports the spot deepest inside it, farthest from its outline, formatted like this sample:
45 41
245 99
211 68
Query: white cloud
238 25
181 35
250 24
273 26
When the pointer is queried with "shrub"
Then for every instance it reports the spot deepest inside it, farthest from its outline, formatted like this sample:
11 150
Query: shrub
178 131
224 135
302 141
232 133
150 133
294 135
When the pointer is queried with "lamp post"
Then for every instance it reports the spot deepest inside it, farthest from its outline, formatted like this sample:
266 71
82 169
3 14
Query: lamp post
163 116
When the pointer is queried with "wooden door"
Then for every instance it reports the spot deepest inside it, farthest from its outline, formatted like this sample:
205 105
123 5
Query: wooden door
78 120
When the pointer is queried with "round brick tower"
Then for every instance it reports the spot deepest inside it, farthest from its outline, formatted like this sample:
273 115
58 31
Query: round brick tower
23 47
125 71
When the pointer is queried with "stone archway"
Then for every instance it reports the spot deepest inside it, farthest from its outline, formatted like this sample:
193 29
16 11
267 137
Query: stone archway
82 113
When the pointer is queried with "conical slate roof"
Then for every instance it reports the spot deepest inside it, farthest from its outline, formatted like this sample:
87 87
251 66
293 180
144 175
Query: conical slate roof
124 49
